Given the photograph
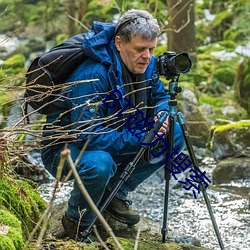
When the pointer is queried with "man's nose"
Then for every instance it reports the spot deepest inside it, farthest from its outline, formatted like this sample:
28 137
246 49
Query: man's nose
146 54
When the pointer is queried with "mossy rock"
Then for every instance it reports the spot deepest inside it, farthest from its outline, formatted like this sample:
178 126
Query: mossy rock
219 107
231 139
150 235
11 237
22 200
128 244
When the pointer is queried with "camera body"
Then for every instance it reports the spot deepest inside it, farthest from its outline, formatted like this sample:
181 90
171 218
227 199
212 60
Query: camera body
171 65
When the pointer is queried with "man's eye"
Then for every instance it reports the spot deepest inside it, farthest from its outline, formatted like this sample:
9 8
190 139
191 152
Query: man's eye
139 50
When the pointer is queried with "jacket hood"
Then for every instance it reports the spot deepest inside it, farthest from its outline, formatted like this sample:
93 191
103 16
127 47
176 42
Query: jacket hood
98 43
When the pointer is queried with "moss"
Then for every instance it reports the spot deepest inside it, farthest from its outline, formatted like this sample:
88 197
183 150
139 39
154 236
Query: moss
13 71
235 125
219 103
91 247
242 84
221 122
16 237
13 239
214 101
225 75
21 199
16 61
65 245
220 24
229 45
6 96
128 244
9 219
221 132
6 243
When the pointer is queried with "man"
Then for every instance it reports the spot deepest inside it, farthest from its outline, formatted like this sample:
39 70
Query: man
120 59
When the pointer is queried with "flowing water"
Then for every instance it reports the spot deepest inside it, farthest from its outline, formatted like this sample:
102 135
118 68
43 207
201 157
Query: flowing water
188 216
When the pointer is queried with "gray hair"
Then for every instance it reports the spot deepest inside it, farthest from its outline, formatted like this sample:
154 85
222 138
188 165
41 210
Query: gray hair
137 22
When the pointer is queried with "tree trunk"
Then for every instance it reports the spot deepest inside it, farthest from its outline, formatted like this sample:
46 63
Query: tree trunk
71 6
83 7
181 27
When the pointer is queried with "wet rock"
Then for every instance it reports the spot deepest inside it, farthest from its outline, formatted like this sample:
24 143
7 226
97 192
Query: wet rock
197 125
231 169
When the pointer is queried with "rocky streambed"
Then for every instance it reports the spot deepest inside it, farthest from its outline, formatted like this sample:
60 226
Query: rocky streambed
188 217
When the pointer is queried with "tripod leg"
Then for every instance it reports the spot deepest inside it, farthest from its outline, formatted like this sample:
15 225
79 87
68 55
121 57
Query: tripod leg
195 163
167 176
164 229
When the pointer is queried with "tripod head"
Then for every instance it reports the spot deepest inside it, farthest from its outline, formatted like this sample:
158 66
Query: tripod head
174 89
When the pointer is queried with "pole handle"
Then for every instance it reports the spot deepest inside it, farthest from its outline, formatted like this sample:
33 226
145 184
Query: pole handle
150 136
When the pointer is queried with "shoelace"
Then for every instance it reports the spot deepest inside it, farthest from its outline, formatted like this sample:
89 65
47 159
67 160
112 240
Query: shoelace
127 203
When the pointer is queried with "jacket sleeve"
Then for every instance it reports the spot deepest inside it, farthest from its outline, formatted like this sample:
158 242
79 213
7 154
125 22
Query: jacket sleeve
89 120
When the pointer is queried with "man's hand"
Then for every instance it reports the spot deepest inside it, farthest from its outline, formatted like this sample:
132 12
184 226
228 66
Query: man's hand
165 126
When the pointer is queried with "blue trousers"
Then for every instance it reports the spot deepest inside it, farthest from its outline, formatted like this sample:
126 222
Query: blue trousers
100 170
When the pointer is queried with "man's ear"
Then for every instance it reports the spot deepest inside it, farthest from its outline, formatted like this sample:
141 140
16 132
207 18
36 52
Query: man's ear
118 42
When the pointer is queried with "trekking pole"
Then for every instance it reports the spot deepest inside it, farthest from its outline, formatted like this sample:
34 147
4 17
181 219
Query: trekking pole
129 168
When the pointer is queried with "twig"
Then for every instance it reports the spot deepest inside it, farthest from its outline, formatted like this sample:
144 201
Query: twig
99 238
77 21
66 154
137 236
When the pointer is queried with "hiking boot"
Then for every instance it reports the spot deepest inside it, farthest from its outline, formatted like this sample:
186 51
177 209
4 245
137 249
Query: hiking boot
121 211
75 231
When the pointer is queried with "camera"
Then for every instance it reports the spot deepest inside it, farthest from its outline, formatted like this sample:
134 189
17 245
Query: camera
171 65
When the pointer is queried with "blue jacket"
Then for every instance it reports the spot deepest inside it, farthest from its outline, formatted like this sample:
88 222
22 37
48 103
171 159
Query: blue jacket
88 117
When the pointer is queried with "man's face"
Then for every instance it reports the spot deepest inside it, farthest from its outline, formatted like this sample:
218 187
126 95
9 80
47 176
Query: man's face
137 53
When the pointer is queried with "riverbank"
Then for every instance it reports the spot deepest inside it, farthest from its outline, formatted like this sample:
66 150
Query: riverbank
188 217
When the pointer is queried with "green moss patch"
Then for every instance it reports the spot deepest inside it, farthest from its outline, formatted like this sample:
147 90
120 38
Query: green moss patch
242 125
128 244
10 231
22 200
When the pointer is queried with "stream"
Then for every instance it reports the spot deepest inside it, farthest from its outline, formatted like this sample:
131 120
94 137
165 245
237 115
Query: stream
187 216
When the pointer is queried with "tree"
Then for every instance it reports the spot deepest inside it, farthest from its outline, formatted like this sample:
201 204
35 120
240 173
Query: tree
76 11
181 27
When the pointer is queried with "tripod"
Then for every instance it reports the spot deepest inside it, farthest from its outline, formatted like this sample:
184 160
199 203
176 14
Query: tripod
173 90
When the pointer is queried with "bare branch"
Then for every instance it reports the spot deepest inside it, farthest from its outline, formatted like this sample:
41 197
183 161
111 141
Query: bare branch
66 154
